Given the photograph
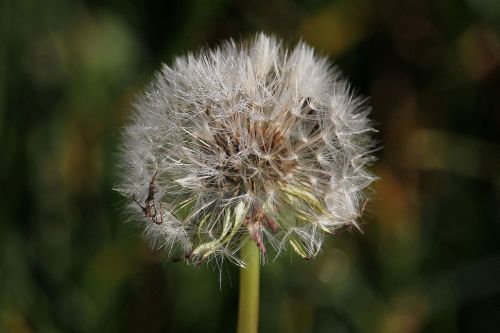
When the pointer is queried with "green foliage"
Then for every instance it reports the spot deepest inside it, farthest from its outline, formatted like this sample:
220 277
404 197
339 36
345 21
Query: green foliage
429 255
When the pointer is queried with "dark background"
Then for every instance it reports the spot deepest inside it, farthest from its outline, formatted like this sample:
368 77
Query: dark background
429 257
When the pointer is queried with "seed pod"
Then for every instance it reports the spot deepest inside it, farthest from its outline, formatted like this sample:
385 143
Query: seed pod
246 140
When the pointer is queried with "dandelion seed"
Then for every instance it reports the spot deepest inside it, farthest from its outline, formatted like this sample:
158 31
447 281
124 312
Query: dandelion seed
246 140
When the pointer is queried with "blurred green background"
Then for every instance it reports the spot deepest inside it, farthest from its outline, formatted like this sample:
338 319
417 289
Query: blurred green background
429 257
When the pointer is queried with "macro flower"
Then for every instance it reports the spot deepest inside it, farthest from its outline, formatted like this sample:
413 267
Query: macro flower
246 141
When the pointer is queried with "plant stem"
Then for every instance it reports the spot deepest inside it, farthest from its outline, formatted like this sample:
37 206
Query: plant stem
248 316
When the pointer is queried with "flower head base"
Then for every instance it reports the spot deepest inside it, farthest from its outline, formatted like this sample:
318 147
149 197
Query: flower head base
246 140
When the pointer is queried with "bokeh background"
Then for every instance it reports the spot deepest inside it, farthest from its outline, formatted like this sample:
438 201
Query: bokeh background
429 257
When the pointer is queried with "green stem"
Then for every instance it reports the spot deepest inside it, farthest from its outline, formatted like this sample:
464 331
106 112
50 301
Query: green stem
248 316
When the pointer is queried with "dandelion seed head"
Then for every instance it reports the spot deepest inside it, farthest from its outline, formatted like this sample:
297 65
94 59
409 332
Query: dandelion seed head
245 140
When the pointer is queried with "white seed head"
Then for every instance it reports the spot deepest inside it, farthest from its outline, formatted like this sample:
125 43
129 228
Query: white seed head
246 140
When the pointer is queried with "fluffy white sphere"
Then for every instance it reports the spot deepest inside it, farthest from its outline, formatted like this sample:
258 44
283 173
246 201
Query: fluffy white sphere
246 140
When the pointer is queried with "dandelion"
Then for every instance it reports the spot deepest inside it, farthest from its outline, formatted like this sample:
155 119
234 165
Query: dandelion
248 145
